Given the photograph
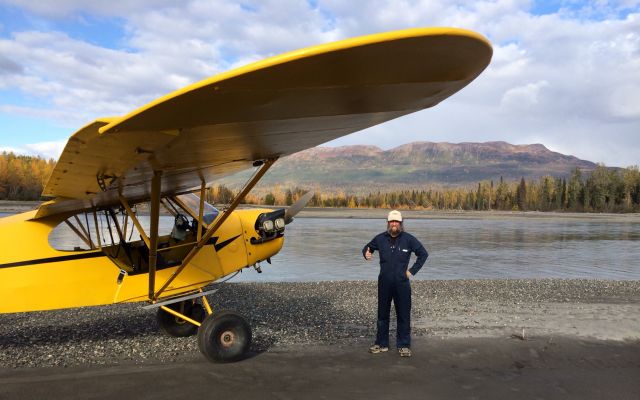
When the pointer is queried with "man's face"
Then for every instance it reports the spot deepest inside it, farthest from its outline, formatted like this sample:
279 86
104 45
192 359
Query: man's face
394 228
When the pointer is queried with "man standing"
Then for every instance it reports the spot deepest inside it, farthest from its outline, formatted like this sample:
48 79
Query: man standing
395 247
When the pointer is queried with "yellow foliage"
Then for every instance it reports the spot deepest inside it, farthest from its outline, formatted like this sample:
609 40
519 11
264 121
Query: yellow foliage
23 177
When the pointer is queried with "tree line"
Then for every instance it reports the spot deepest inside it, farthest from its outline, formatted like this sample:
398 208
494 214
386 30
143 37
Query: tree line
23 177
603 190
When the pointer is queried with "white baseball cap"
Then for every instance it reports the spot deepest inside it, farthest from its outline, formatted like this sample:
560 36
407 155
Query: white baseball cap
394 216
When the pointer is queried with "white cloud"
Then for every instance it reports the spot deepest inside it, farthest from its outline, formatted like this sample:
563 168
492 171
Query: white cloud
39 113
560 78
204 38
6 149
624 102
523 97
45 150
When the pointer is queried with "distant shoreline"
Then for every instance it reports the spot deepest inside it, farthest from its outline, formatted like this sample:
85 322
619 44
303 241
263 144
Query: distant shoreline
18 206
11 206
377 213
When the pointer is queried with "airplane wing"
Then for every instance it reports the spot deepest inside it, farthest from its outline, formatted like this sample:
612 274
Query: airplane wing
267 109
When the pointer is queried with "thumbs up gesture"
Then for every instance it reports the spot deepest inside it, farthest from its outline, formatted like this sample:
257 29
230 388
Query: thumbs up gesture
367 254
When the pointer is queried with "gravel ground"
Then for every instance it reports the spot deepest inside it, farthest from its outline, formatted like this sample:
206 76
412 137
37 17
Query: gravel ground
284 314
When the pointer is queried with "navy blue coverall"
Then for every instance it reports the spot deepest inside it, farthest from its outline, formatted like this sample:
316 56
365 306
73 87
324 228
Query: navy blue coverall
393 283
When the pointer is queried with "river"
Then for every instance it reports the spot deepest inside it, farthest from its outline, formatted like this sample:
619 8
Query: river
329 249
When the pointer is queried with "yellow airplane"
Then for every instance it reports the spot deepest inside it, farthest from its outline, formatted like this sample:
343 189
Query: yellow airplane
167 152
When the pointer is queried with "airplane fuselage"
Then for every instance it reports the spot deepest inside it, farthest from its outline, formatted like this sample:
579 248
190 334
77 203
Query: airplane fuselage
36 276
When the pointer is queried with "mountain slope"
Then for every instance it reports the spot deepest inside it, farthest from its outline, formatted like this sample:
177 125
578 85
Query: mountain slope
356 169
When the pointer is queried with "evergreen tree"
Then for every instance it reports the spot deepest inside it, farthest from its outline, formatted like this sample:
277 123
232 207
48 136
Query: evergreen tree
288 197
631 191
586 198
270 199
559 194
522 195
546 193
603 190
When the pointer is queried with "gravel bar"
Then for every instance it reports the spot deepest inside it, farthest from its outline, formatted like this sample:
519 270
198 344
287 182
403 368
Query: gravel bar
285 314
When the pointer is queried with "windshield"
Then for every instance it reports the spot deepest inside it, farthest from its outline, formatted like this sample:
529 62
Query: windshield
193 202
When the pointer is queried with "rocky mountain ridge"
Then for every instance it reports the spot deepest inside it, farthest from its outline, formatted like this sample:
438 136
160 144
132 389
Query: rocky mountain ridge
360 168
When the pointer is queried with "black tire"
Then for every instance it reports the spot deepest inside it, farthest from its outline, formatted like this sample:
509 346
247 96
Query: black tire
224 337
178 327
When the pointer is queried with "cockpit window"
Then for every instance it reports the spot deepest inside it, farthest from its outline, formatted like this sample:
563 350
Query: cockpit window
84 231
80 232
108 228
193 202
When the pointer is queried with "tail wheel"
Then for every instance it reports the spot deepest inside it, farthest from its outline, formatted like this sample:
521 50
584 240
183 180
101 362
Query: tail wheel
224 337
176 326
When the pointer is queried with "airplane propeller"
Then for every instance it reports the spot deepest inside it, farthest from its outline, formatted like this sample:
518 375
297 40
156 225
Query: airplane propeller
296 207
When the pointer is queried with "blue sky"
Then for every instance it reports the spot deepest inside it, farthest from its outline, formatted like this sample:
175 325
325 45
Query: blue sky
100 30
564 73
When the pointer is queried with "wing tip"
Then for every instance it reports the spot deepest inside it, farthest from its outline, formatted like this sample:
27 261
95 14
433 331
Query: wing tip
113 123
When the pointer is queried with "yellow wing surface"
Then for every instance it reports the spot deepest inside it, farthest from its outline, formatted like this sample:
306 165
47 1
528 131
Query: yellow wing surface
268 109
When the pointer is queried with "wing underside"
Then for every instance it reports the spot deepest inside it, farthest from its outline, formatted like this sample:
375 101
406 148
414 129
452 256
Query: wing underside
266 110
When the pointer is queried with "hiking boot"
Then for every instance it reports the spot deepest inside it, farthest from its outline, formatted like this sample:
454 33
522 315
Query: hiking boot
375 349
404 352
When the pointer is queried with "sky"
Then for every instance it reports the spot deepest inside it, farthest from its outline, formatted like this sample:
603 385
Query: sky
565 74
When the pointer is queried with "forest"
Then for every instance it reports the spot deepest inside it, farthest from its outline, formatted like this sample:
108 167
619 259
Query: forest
23 177
603 190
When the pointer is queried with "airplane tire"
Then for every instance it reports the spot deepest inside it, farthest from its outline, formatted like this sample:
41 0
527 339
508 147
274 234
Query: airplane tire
224 337
174 326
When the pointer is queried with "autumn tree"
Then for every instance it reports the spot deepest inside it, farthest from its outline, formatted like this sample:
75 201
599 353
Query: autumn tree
574 190
23 177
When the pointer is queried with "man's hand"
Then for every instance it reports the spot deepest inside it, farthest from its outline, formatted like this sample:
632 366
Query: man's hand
409 275
367 254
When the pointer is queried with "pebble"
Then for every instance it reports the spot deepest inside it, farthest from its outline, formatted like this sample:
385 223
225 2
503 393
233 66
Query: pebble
280 314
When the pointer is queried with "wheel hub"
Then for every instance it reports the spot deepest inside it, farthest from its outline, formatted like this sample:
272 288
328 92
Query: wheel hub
227 338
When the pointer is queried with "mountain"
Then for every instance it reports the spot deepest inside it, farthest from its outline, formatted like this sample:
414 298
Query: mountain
361 169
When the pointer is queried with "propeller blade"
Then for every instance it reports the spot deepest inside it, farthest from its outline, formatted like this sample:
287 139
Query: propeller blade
296 207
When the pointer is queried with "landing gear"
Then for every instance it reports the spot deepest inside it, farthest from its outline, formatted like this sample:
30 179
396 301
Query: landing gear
224 337
176 326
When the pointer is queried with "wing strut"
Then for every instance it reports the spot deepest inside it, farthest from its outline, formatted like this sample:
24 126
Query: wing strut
218 222
203 188
80 234
153 230
95 224
135 220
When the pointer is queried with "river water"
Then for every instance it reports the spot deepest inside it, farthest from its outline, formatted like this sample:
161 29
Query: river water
328 249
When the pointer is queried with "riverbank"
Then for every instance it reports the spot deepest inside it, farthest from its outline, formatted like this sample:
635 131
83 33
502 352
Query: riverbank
14 206
330 313
482 339
381 213
9 206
